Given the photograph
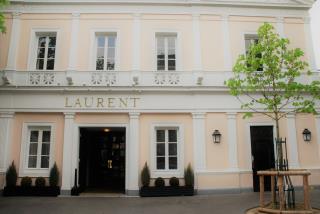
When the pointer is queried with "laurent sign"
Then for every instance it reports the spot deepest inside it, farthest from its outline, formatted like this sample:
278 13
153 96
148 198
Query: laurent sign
101 102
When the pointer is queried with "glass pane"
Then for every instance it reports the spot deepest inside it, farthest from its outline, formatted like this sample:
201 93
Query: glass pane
101 41
172 54
46 136
173 149
171 65
42 42
33 149
160 65
160 163
160 135
41 52
40 63
100 53
32 163
171 42
172 135
111 41
160 42
34 136
173 164
161 149
160 54
99 64
44 161
45 150
51 52
111 52
50 64
52 41
110 64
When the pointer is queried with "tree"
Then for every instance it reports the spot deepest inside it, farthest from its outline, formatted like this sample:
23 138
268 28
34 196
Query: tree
277 90
2 19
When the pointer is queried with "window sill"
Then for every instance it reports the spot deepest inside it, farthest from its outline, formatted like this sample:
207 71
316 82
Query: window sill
167 173
34 172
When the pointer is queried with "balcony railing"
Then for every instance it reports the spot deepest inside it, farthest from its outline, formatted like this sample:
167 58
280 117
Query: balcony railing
122 78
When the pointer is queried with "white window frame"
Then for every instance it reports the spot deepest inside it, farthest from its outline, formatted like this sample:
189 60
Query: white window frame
251 37
167 173
24 170
165 36
93 48
244 36
33 47
168 32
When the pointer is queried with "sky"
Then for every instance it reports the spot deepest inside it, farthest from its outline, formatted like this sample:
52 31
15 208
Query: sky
315 30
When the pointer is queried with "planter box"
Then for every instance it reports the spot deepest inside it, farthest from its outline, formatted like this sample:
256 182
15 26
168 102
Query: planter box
31 191
166 191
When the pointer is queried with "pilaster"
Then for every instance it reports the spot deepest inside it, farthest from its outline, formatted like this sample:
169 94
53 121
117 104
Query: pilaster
197 58
232 140
280 26
292 143
6 122
317 118
308 43
74 41
199 142
226 43
14 42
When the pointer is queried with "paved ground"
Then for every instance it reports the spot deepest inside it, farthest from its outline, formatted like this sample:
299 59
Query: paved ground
213 204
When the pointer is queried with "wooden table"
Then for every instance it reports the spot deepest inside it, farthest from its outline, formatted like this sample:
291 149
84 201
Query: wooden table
280 176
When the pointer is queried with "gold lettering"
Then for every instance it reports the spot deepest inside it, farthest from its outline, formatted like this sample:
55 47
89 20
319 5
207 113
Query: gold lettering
123 102
85 102
111 102
100 102
134 101
66 103
77 103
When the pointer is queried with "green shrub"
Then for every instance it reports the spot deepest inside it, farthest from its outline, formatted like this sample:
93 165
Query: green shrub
145 176
159 182
189 176
26 182
11 175
54 176
174 182
40 182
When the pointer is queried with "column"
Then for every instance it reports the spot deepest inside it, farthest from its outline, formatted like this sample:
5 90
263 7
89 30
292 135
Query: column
133 159
280 27
6 120
199 141
309 46
317 117
74 41
136 45
232 140
226 43
14 42
67 170
292 143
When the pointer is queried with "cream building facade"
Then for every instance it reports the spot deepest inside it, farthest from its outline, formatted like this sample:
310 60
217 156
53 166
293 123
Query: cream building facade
146 77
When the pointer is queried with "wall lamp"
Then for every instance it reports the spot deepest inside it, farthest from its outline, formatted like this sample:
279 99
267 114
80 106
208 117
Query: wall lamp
216 136
306 135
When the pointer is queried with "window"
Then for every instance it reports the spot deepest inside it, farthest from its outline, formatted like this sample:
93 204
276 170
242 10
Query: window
166 148
105 51
166 52
46 51
39 139
252 39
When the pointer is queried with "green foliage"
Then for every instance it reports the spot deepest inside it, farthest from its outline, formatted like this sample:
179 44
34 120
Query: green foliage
159 182
11 175
26 182
174 182
2 27
145 176
189 176
54 176
278 89
40 182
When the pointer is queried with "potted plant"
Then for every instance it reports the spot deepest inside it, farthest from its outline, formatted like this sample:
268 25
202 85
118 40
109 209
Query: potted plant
11 180
54 180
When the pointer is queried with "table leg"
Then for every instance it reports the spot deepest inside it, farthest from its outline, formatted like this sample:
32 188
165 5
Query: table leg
261 180
306 193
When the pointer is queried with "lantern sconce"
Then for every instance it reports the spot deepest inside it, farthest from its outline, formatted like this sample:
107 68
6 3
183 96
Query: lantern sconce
216 136
306 135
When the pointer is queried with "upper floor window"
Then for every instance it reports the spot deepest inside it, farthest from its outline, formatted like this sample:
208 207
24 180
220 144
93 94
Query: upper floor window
252 39
166 52
106 51
46 51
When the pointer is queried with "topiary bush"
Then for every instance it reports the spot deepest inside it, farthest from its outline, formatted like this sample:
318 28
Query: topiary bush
174 182
54 176
26 182
145 176
40 182
11 175
159 182
189 176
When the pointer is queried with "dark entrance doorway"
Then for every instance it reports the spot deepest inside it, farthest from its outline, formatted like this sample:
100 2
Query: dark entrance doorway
262 150
102 159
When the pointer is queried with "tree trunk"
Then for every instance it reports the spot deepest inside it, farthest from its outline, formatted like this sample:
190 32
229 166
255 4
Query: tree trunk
278 146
